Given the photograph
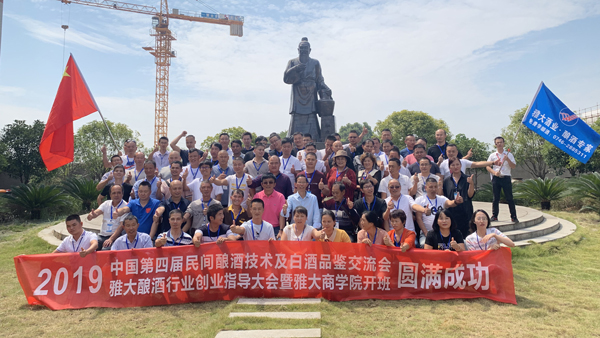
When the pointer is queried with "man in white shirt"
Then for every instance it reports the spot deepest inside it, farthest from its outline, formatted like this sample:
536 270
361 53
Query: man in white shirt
238 180
109 223
452 151
224 141
327 153
137 170
501 178
255 229
436 203
409 187
79 240
311 148
290 165
160 155
195 184
399 201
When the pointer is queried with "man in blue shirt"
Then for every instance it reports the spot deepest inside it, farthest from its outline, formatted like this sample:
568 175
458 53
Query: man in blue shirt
143 208
303 198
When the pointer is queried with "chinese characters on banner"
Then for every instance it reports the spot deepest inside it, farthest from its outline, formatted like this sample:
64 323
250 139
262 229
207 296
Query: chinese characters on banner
552 120
334 271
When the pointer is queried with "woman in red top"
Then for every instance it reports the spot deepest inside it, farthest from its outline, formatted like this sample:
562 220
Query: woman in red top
340 172
400 236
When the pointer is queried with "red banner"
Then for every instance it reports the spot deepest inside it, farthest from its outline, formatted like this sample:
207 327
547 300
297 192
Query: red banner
334 271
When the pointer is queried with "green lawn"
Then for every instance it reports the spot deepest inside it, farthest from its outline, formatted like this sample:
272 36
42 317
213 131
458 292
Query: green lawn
556 284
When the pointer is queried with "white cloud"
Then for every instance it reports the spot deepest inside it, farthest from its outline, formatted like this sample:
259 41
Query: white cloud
377 56
48 33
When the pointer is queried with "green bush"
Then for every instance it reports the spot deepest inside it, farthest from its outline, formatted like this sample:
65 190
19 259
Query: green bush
35 198
542 191
83 190
587 189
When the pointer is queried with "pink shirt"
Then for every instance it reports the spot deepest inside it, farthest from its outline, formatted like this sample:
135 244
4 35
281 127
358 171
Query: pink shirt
381 234
273 206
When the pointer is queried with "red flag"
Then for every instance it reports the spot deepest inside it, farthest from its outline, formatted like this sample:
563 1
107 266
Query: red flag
73 101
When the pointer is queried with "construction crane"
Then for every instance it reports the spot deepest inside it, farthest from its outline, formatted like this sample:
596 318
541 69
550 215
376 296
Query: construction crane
162 47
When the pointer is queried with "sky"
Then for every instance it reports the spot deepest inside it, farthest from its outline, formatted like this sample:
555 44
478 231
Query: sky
471 63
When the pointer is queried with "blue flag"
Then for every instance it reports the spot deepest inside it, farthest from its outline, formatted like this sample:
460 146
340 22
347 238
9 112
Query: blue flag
552 120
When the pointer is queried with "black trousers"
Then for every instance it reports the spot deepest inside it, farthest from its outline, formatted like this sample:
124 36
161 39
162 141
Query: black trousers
505 184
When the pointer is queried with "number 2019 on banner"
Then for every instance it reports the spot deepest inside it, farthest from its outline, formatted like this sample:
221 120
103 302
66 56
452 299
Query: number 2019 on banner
61 280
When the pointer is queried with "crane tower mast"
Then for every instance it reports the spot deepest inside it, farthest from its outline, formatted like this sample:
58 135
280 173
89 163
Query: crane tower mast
162 50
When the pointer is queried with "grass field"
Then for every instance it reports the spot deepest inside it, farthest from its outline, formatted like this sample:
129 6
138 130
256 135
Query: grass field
556 284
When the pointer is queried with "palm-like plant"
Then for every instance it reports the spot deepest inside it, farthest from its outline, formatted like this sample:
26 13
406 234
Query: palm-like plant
587 187
83 190
35 198
542 190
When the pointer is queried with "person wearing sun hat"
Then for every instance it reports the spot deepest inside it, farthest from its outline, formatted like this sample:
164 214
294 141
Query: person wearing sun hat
341 173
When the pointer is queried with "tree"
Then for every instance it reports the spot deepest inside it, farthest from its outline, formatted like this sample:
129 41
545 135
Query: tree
344 130
528 147
405 122
89 140
235 133
560 161
35 198
20 150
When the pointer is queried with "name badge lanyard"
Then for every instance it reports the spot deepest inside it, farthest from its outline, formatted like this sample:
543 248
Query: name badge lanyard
260 166
137 236
398 204
237 185
338 208
207 205
209 236
130 163
151 183
194 174
117 208
78 242
374 237
221 170
441 151
338 173
311 178
398 243
433 208
425 181
480 248
137 176
367 206
238 216
258 233
455 186
284 162
179 239
444 245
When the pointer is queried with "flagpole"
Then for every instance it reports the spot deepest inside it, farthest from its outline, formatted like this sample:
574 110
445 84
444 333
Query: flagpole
526 113
109 132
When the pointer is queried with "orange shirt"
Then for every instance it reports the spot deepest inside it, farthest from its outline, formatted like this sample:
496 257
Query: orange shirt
407 237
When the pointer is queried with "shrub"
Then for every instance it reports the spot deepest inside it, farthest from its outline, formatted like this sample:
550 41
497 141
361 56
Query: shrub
542 191
587 188
83 190
34 198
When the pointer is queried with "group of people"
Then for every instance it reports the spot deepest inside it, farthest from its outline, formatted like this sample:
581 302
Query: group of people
367 191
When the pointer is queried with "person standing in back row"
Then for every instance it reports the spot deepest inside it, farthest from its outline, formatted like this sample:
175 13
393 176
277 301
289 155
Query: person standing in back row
501 179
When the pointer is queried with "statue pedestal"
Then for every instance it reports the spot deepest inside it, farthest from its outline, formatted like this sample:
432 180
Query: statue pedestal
327 126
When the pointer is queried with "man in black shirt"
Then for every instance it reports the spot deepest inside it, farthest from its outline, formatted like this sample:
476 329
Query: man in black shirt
370 202
438 150
419 153
190 143
176 201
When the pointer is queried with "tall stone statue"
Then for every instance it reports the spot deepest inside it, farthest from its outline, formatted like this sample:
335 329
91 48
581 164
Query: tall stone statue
306 78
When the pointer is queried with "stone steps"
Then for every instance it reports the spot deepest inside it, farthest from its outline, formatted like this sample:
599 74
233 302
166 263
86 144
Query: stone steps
549 225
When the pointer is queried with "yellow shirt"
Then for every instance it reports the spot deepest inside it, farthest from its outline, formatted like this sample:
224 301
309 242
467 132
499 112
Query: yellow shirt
340 236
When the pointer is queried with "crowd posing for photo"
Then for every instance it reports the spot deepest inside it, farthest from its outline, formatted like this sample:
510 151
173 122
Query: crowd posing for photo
367 191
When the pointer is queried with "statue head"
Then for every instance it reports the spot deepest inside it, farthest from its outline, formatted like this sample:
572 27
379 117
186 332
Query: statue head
304 47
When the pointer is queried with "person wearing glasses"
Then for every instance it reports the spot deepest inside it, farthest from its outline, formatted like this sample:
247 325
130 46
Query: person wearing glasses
398 201
484 237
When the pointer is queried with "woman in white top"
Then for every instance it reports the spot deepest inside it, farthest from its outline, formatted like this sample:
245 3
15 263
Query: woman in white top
484 237
370 172
299 231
